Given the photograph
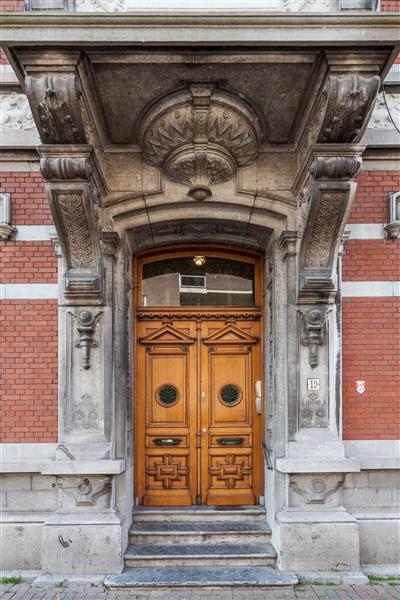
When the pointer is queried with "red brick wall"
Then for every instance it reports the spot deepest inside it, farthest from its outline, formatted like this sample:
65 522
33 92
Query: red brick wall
371 346
390 5
372 260
28 347
371 350
371 202
29 201
28 262
28 328
11 5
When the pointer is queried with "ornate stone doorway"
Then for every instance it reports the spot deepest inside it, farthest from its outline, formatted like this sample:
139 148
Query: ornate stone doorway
245 134
198 375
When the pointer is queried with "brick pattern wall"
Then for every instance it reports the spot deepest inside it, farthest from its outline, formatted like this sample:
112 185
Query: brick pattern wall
28 328
28 262
372 260
28 347
11 5
390 5
29 201
371 203
371 346
371 350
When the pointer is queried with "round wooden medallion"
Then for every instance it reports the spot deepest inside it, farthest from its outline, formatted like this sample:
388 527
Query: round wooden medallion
167 395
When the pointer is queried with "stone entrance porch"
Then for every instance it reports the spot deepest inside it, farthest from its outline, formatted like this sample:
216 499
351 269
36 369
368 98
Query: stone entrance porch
163 131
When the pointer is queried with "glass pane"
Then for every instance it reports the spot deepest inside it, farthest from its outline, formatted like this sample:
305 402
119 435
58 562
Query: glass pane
211 282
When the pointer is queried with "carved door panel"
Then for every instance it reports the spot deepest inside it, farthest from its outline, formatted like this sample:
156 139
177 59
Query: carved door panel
230 358
197 432
166 403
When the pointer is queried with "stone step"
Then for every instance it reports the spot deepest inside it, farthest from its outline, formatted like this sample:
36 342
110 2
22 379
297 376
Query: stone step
198 531
141 555
200 513
202 577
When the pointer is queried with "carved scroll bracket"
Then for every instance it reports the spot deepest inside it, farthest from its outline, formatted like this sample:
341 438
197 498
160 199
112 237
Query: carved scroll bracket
331 187
74 184
54 99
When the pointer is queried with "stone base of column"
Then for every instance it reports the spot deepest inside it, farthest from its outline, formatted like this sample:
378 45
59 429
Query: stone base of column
82 545
318 540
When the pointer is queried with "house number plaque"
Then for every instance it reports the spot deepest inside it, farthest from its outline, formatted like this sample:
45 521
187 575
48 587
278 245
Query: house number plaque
313 385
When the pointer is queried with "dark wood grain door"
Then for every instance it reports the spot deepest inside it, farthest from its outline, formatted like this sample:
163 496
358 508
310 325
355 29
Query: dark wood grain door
197 429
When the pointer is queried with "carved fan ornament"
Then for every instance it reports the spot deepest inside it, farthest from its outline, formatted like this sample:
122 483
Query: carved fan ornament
199 136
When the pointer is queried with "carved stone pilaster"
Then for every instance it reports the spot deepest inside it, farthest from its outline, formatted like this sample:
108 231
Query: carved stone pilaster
72 183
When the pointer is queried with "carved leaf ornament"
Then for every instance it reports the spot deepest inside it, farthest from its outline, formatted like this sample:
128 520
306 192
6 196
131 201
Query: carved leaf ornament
54 100
199 136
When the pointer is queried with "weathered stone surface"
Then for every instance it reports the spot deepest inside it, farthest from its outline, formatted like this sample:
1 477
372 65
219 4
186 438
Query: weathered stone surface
14 482
319 546
38 500
21 543
82 548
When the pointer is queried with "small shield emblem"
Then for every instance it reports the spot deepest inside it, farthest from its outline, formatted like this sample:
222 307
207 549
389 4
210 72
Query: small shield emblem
360 387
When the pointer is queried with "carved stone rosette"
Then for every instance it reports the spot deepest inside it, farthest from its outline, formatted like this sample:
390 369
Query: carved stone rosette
200 136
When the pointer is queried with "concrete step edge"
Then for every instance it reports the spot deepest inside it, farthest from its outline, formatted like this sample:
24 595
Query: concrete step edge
202 577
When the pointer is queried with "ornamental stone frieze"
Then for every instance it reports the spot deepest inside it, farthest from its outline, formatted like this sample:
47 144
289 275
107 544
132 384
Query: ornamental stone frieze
200 136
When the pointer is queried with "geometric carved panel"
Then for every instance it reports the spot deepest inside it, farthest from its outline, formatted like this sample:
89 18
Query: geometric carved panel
230 470
167 470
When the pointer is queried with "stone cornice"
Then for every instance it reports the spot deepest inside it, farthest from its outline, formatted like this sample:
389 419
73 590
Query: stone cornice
187 27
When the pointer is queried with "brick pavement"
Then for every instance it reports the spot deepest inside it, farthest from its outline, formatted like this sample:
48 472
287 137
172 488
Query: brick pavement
375 591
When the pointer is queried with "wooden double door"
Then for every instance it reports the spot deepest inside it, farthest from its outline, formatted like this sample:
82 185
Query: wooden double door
198 425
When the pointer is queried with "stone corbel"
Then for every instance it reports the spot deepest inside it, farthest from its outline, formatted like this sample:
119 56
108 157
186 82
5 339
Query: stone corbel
350 99
54 99
72 184
332 187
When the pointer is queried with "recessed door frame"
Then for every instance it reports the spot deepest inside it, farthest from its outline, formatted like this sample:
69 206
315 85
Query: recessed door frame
160 253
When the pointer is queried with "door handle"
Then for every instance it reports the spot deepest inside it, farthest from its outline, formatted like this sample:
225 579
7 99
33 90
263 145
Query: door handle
258 398
167 441
230 441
